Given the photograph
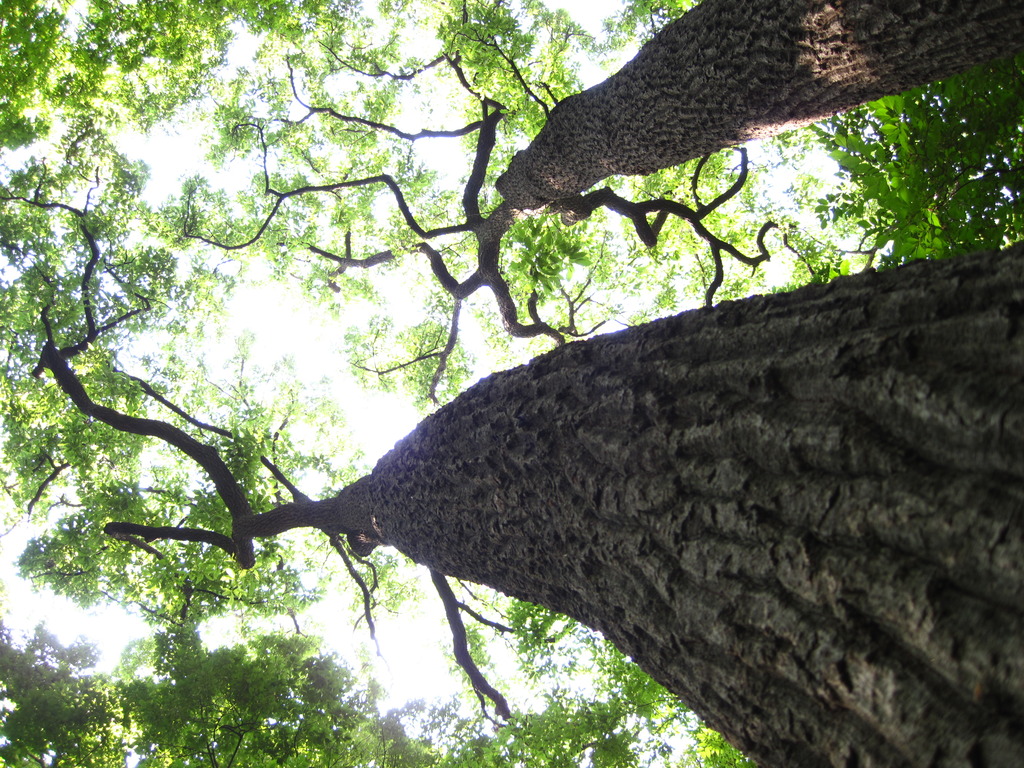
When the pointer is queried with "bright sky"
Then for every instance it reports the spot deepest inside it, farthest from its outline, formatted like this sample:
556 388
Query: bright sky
411 644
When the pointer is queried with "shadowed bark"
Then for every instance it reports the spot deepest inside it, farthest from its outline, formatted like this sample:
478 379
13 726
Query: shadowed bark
801 513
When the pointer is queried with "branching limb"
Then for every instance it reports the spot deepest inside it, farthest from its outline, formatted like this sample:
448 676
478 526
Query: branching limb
457 290
486 140
55 360
461 648
400 366
297 495
449 347
381 72
578 208
281 197
573 305
442 355
347 261
492 42
483 619
489 273
148 389
204 455
734 188
374 125
339 546
455 62
92 331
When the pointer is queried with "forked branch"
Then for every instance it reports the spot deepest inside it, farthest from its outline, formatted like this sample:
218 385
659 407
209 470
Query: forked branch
461 648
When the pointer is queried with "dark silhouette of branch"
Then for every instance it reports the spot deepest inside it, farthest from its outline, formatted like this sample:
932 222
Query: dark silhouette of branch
346 261
148 389
441 354
444 277
55 360
47 481
297 495
578 208
455 62
732 191
492 42
374 125
449 347
399 366
92 331
339 547
281 197
484 620
461 648
484 146
716 281
148 533
381 72
204 455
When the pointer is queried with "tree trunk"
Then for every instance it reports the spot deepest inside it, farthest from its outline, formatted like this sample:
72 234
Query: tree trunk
733 70
803 513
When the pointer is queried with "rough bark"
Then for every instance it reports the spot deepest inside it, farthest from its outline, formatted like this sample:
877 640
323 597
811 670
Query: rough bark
801 513
733 70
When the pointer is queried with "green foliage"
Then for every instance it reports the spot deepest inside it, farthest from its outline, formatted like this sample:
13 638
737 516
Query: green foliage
51 711
282 97
936 171
274 701
543 252
714 752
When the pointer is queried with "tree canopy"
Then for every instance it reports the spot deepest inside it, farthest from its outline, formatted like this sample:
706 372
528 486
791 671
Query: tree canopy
334 170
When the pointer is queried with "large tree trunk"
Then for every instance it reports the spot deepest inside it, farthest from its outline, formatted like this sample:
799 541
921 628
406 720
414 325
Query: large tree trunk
733 70
802 513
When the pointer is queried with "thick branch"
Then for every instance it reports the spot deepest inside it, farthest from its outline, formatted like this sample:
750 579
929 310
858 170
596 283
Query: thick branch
484 146
161 532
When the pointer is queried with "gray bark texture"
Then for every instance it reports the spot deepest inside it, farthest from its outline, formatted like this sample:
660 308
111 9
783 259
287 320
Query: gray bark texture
733 70
802 513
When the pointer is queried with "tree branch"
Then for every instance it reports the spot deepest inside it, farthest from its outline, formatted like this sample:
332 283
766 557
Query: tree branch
381 72
336 542
374 125
148 533
50 478
297 495
449 347
461 646
148 389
